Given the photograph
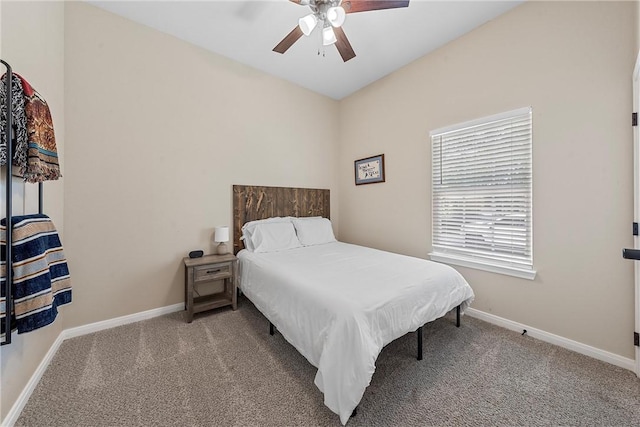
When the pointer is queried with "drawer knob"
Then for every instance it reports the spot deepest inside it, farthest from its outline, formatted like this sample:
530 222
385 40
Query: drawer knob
213 271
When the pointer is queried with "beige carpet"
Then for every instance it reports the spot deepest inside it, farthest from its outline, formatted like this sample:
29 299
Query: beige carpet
225 369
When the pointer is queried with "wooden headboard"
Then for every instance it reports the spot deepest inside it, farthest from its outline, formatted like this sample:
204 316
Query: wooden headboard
251 203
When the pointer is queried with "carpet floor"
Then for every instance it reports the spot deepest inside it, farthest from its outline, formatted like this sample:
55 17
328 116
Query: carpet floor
225 369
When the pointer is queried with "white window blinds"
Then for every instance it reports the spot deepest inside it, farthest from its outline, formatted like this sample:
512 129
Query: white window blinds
482 193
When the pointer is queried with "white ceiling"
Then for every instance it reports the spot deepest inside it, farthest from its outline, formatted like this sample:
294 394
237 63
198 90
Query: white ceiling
247 31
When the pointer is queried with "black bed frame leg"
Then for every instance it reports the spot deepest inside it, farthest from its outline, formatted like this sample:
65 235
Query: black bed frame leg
355 412
419 332
272 329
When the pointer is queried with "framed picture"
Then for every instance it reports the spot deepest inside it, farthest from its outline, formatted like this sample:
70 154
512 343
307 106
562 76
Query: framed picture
370 170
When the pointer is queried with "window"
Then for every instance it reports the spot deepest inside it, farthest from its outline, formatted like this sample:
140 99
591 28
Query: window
482 194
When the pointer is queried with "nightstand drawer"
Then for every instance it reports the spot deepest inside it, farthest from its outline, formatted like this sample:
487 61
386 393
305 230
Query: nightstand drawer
217 272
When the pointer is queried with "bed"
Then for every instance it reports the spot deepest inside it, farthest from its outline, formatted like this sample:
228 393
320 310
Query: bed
338 304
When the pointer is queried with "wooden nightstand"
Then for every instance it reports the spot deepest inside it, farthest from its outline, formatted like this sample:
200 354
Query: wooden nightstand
207 269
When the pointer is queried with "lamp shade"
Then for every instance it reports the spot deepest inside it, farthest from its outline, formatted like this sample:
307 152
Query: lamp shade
221 234
336 16
308 23
328 36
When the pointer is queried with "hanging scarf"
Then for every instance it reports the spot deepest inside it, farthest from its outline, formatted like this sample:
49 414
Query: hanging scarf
19 124
42 155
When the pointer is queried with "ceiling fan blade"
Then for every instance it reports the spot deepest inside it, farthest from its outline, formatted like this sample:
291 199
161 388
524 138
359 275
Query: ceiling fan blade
353 6
289 40
343 45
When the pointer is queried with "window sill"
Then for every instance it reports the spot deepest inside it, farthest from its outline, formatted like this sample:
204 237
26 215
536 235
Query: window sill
465 262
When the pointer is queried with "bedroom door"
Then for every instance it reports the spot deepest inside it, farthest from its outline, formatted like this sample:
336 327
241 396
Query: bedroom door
636 202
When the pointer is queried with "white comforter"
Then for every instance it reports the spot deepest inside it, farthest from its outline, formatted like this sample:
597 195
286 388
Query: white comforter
340 304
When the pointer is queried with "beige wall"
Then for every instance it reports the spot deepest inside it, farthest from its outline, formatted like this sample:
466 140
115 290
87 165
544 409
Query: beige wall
570 61
158 131
637 25
32 41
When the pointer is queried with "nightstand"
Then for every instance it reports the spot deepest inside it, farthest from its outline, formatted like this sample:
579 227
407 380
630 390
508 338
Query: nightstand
210 268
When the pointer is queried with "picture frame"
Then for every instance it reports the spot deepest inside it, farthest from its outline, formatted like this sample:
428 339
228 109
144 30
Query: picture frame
369 170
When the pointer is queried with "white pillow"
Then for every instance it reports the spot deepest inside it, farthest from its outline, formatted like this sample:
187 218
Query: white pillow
246 242
314 231
274 236
249 227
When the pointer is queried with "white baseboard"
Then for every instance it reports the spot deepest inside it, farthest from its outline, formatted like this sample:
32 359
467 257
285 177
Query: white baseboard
119 321
576 346
17 407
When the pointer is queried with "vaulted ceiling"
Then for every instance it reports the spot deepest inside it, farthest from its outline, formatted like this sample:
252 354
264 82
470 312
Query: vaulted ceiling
247 31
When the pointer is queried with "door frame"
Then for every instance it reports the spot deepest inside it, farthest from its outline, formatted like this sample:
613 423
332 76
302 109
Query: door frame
636 203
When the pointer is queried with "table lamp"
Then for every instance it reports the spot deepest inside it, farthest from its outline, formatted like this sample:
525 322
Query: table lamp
221 236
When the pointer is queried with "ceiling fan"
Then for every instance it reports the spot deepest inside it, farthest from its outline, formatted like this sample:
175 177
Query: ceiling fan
330 14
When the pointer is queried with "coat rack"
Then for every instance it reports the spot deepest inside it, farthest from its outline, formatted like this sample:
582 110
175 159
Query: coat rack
9 207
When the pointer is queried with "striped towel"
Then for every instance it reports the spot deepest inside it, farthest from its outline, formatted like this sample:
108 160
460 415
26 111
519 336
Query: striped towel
40 273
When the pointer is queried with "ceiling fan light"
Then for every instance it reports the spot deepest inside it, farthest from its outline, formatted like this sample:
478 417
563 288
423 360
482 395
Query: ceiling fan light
336 16
308 23
328 36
